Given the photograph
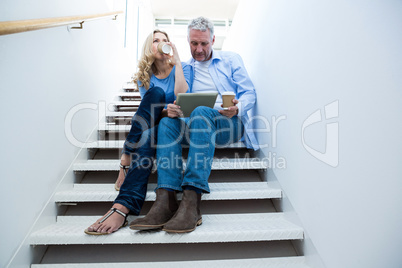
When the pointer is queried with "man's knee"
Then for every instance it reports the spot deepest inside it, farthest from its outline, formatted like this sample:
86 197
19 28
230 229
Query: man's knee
202 111
170 126
170 132
165 123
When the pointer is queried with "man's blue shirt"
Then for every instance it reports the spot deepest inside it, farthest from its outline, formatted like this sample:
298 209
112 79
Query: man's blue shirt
229 74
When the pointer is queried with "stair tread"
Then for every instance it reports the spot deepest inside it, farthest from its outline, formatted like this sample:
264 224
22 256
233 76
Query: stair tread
281 262
129 94
117 144
219 191
114 128
217 164
126 103
129 85
122 113
215 229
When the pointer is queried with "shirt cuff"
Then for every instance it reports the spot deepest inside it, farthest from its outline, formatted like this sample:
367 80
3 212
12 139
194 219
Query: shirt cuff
240 109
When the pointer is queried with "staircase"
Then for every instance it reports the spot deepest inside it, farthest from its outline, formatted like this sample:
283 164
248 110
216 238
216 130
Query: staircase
241 227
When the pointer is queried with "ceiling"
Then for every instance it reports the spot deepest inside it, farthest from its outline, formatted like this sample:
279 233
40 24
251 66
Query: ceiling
213 9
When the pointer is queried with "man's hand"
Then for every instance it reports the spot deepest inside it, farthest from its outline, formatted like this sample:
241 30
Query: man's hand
173 110
231 111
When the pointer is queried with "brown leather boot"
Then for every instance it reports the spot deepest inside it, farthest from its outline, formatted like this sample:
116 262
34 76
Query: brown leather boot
188 216
161 211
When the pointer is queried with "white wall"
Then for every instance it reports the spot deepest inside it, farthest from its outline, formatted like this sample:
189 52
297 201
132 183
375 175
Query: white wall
44 74
302 56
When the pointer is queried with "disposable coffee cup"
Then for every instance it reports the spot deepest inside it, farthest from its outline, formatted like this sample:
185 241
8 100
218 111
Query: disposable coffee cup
227 99
164 48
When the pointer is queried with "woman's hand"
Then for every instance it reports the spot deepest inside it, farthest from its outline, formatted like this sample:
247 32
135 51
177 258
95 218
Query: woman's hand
175 59
180 85
173 110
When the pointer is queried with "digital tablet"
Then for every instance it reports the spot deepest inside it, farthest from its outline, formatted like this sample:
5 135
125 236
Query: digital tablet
189 101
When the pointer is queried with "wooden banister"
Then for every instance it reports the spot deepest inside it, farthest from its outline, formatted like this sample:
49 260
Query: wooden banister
10 27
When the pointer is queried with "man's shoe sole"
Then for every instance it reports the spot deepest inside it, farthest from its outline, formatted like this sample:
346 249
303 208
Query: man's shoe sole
199 222
145 227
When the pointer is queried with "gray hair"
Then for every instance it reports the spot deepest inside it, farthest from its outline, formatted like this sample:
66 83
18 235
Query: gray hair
202 24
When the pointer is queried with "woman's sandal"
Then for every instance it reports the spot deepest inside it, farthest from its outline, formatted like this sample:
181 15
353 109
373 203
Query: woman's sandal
113 210
125 168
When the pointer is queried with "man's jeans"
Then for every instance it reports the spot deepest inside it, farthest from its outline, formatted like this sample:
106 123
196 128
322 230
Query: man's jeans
140 144
202 131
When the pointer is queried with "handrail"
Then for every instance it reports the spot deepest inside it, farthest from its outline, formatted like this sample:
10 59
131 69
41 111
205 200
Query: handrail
11 27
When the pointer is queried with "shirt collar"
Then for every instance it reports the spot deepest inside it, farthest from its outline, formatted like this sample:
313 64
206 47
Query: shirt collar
215 55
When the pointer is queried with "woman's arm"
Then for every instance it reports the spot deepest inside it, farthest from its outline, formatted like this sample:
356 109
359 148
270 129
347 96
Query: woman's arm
180 85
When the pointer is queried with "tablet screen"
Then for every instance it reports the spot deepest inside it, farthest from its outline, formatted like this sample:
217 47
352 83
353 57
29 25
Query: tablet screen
189 101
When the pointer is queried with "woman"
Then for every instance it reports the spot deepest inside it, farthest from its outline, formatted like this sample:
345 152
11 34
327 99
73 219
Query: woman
158 77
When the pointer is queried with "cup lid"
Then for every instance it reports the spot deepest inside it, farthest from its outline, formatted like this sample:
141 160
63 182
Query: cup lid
228 93
166 48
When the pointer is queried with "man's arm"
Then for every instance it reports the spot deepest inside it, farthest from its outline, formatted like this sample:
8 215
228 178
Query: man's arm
245 88
238 81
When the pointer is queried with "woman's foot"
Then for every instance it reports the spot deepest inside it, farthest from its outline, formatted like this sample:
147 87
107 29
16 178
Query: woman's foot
116 220
124 166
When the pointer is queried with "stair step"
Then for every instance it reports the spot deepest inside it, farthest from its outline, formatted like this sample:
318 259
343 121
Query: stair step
126 103
119 115
114 128
217 164
219 191
127 114
283 262
118 144
129 86
214 229
123 94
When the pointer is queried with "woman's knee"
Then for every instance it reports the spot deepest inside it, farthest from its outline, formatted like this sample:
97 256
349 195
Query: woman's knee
157 93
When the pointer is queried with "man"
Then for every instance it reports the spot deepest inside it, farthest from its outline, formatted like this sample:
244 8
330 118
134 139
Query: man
207 71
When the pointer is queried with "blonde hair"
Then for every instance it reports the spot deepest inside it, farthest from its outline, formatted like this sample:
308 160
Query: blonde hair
146 66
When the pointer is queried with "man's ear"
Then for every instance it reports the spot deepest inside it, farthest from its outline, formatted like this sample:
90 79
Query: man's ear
213 40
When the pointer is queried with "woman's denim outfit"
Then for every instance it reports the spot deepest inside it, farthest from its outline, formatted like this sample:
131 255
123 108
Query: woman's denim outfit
141 145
